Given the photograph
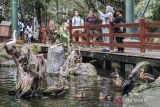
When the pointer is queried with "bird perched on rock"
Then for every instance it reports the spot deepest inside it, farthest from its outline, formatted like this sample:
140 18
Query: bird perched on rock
146 76
128 86
139 66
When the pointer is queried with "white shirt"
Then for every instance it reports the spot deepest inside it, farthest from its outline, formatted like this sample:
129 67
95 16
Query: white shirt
30 35
106 18
30 29
22 26
77 21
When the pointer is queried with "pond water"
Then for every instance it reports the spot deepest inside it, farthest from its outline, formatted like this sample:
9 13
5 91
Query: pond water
90 86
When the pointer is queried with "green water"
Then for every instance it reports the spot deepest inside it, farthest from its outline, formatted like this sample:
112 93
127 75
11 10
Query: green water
90 86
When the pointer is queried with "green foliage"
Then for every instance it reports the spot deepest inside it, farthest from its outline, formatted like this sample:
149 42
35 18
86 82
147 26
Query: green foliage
63 9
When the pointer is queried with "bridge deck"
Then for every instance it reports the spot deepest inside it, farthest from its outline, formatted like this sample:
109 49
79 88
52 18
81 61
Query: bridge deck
130 56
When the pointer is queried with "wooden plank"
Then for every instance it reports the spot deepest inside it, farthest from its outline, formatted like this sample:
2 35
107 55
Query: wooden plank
99 35
152 34
88 34
70 33
152 46
80 43
99 44
111 38
91 26
98 26
142 35
127 25
126 35
152 24
77 27
82 34
5 31
127 45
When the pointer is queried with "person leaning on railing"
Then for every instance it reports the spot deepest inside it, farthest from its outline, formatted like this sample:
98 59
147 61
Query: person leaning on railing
77 21
119 19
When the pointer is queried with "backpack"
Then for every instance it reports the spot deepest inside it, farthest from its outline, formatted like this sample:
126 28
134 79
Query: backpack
20 26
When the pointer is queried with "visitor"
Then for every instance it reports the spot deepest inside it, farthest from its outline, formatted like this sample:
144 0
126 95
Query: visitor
119 19
30 36
29 30
77 21
21 29
43 33
92 20
106 18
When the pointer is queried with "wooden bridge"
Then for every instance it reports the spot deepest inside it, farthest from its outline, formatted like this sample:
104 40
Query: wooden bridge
144 49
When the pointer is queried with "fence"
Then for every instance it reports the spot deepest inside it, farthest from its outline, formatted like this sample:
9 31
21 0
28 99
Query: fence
142 34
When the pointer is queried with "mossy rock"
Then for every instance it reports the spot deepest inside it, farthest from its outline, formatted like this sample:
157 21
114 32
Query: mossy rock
20 42
85 69
35 49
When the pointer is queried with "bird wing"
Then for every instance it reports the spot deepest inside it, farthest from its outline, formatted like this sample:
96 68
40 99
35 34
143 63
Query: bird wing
127 86
149 76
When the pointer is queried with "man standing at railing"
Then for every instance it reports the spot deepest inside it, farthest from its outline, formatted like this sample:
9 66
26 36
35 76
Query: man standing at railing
106 18
119 19
77 21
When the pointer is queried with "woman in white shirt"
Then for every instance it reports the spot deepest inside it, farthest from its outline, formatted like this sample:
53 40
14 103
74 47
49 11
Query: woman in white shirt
29 32
106 18
77 21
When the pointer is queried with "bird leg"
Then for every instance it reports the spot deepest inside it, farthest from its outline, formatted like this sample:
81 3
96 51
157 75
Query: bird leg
148 84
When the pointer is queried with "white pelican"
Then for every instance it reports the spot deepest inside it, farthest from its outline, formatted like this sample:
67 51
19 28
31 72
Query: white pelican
12 41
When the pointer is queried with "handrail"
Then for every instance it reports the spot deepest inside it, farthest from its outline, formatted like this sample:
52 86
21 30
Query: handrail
142 34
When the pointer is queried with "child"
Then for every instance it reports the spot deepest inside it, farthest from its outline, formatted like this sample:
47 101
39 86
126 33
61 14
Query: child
30 37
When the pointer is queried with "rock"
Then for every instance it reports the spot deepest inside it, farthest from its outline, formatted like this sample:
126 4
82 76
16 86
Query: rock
85 69
157 81
146 98
53 89
10 63
55 58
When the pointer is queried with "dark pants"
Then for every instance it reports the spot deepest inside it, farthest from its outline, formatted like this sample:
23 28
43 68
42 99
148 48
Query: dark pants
120 40
21 35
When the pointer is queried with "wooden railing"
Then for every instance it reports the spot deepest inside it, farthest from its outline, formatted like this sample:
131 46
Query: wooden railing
142 34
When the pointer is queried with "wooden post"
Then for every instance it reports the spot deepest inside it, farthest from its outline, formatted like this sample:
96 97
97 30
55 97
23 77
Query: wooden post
111 36
70 33
88 35
142 35
122 69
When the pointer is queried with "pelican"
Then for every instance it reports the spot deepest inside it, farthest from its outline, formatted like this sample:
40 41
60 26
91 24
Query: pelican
146 76
12 41
128 86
